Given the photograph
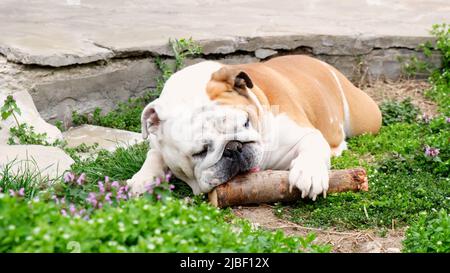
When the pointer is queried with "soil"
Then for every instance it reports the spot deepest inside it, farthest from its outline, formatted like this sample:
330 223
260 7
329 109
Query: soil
361 241
400 90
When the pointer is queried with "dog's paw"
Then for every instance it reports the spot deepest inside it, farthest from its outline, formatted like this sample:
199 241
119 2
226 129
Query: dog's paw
310 175
139 185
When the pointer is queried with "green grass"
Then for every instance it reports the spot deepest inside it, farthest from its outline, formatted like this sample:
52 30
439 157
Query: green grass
429 234
32 182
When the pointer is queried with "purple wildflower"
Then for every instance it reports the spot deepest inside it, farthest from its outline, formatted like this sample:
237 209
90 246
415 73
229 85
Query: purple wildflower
426 118
149 188
92 199
21 192
55 198
168 176
64 212
106 179
63 200
81 212
115 184
81 179
431 152
447 119
101 187
72 209
69 177
172 187
122 193
108 197
158 197
158 181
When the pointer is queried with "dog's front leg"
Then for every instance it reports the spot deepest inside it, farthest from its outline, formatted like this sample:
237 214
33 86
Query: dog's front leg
309 169
153 167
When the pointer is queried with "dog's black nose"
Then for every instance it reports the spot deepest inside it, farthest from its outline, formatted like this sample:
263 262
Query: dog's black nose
232 147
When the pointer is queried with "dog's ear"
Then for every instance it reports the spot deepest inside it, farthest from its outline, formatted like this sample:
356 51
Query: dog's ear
237 79
149 119
242 80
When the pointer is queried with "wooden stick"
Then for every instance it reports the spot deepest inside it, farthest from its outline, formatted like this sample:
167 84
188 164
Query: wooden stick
273 186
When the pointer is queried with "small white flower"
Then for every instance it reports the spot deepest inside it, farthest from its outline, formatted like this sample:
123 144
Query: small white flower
151 246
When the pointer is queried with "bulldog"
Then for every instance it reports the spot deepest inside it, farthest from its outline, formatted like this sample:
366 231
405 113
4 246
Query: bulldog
214 121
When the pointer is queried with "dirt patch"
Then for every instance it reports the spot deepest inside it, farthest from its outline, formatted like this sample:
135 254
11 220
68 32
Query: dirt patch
360 241
381 91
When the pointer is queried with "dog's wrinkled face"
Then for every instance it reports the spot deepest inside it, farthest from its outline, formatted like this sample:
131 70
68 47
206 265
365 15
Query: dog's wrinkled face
207 146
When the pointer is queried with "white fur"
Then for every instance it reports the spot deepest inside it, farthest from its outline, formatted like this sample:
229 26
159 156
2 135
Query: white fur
303 151
345 104
347 129
187 87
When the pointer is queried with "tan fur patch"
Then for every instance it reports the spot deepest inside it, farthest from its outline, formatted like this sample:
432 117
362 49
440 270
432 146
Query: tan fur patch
306 89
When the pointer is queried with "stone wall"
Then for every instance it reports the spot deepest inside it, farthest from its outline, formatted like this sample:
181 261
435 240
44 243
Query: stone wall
57 91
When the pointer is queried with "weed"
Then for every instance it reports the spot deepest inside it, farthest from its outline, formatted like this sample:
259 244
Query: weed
431 233
403 111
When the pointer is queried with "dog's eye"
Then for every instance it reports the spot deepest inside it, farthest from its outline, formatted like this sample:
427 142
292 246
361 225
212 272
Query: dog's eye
202 153
247 123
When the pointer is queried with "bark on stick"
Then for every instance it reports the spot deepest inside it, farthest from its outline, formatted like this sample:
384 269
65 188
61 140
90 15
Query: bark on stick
273 186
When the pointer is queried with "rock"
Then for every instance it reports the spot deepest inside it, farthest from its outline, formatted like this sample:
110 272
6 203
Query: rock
393 250
103 87
51 162
107 138
29 115
58 49
90 30
263 53
372 247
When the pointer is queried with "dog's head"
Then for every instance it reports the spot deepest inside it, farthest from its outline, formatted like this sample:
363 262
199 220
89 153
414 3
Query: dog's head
209 144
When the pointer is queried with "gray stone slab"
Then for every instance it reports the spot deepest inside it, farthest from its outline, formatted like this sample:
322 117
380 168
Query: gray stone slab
64 32
106 138
102 87
49 162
